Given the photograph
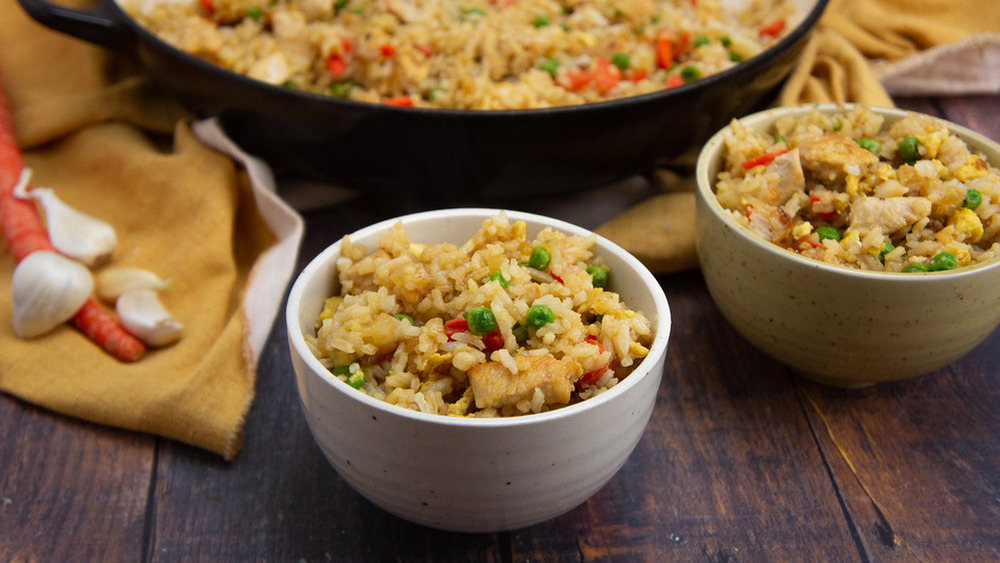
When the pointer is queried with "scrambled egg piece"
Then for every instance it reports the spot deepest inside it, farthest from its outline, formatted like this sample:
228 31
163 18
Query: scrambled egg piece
802 229
974 167
967 222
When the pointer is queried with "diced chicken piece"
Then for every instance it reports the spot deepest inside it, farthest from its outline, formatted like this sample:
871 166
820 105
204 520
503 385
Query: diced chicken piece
830 157
890 214
791 179
272 69
770 222
288 24
316 9
405 10
493 385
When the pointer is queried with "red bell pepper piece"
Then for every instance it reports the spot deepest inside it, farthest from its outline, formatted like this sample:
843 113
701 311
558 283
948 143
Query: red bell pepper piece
400 101
458 324
674 81
493 341
592 376
765 158
773 29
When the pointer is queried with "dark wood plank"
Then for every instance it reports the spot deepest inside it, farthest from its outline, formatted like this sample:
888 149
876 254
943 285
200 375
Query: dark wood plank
70 490
918 462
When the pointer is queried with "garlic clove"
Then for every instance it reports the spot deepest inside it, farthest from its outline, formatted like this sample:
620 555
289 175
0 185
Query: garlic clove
142 315
111 283
76 234
47 289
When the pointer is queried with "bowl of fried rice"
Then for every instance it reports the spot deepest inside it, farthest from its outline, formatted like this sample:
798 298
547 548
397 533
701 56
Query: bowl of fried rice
474 100
854 244
477 370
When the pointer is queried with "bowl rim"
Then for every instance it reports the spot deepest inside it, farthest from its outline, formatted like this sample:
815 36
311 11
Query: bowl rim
711 154
804 24
661 320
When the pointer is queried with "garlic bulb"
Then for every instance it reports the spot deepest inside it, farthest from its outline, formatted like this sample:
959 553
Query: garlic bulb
72 232
114 281
47 289
142 315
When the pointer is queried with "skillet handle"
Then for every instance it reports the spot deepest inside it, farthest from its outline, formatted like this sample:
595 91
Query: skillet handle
103 25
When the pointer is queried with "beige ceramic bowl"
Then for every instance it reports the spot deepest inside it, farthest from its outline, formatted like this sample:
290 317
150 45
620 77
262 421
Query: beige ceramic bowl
475 475
842 327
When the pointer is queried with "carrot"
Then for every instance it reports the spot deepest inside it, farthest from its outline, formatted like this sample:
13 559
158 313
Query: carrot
24 233
98 324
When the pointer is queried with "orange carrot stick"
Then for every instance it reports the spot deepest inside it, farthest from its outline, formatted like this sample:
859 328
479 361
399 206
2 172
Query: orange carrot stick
23 230
99 326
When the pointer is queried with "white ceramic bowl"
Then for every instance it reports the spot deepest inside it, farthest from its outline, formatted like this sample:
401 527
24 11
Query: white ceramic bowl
475 475
842 327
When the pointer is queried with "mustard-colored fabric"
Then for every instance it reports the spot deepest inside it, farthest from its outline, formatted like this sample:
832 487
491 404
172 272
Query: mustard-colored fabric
113 146
834 67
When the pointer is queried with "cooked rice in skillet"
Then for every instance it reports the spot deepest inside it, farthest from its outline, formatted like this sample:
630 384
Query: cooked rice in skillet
470 54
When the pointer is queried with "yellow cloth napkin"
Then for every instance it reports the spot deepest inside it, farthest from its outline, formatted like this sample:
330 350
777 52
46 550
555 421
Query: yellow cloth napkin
111 145
862 51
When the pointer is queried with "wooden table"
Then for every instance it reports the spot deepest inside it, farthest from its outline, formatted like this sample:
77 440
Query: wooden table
742 459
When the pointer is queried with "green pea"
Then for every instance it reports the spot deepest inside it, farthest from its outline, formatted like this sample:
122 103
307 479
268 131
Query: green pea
356 379
915 267
541 20
598 276
972 198
942 261
481 321
540 258
539 316
621 60
339 5
700 41
253 12
736 57
827 233
690 72
870 145
433 93
520 332
726 41
498 277
908 148
887 247
403 317
340 89
550 66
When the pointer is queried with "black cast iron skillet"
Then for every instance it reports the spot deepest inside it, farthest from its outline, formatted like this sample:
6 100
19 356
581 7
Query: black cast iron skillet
450 156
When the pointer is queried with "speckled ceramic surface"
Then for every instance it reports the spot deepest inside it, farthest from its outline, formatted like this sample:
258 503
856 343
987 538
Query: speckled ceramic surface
475 475
839 326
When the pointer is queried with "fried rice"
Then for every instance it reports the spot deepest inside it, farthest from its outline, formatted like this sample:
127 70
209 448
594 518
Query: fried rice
470 54
403 328
851 190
